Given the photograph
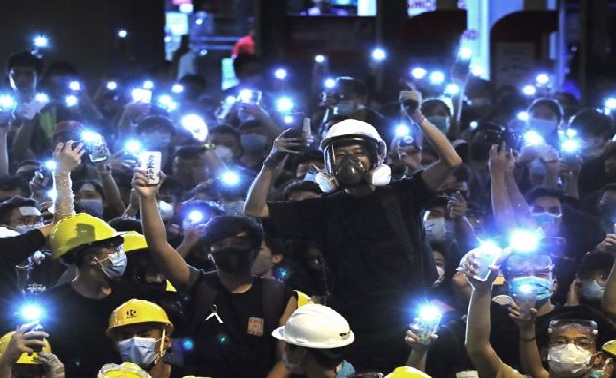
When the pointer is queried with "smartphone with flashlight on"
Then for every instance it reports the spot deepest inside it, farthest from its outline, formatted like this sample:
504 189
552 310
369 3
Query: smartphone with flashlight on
525 296
142 95
486 255
427 323
248 96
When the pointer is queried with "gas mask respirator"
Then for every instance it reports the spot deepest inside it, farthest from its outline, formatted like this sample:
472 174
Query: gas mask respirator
349 172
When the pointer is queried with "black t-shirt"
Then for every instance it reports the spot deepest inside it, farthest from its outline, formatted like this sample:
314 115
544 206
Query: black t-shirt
76 327
373 280
242 345
582 233
13 251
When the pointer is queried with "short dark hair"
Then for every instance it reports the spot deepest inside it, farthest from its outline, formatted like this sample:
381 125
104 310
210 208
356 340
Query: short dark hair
550 103
225 129
349 84
193 79
539 192
172 186
241 61
155 121
428 104
7 206
61 68
8 182
223 227
300 186
188 152
275 244
97 186
25 59
592 122
123 224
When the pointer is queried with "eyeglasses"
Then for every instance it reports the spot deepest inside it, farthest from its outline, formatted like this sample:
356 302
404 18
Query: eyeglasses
538 263
28 221
580 342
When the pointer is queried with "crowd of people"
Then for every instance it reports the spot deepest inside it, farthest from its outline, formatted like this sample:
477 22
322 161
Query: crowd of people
469 234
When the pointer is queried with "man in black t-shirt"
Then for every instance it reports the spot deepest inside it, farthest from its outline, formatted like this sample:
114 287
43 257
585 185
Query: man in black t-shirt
369 232
77 312
232 313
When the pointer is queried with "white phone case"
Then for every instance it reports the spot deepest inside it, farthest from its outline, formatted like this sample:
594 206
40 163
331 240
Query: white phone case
151 163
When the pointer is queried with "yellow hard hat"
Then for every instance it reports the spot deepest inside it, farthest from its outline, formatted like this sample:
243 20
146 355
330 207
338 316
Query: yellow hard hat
137 311
134 241
126 370
25 358
78 230
610 347
302 298
407 372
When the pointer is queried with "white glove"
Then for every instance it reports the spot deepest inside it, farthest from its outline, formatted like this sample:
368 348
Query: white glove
54 368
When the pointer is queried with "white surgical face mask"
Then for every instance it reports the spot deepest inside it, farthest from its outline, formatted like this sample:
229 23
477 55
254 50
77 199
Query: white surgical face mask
436 228
117 265
22 229
569 360
441 276
93 207
138 350
592 290
224 153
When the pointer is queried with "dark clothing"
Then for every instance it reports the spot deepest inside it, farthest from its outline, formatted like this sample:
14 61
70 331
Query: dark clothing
582 233
374 277
592 176
242 345
178 371
77 325
13 251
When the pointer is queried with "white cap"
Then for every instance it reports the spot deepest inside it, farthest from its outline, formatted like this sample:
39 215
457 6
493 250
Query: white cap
315 326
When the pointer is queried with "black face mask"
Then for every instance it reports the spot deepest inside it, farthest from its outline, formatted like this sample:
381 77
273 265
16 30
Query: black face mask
233 260
350 171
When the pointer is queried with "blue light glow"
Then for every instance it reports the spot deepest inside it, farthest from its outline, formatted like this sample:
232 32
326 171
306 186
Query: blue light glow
378 54
230 178
523 241
418 73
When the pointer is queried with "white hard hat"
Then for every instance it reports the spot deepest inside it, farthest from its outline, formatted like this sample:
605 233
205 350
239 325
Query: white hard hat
315 326
352 128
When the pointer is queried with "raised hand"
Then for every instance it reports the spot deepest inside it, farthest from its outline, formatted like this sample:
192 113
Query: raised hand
141 186
67 156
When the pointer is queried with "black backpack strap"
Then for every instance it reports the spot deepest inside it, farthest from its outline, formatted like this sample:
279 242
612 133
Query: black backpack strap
203 296
273 301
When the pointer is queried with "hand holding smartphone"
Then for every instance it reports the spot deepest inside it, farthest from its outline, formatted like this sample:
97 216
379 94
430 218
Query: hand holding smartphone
150 162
